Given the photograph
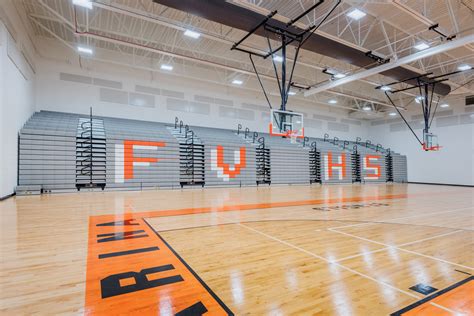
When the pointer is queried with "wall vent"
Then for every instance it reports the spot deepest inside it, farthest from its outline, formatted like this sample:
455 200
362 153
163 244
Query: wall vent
470 100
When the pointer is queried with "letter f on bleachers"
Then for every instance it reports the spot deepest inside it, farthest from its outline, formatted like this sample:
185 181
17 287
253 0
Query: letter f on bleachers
125 160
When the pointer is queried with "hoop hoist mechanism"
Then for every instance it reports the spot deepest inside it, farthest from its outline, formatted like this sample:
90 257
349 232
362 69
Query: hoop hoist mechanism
287 34
425 84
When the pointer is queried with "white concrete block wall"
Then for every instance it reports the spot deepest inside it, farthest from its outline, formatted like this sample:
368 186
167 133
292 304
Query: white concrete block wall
247 107
3 186
16 102
176 95
454 163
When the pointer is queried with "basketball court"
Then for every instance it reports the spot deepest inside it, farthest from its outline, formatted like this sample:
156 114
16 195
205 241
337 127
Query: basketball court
236 157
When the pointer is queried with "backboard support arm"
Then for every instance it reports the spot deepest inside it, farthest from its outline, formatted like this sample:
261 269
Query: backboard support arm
426 84
287 35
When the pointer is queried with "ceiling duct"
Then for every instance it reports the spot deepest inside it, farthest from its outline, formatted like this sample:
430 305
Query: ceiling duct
245 19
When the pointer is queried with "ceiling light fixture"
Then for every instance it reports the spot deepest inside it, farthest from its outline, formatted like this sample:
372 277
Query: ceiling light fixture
278 58
392 114
356 14
464 67
385 88
166 67
418 99
237 81
444 105
367 108
421 46
192 34
339 75
85 50
83 3
332 101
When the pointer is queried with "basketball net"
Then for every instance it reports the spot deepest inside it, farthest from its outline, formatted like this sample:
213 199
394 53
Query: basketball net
432 148
293 135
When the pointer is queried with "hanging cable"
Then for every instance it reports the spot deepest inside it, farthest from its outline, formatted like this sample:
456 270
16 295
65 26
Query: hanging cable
396 108
260 81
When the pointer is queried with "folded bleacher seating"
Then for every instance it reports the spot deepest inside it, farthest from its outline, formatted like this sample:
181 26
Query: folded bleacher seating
65 152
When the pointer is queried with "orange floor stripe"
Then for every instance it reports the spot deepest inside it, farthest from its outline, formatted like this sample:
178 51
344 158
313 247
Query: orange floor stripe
459 299
128 264
255 206
131 270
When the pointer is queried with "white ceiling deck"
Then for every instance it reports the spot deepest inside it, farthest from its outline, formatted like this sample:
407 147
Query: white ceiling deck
147 35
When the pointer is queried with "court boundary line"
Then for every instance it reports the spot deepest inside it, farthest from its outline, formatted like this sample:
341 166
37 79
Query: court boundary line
328 229
191 270
401 245
326 260
359 222
248 207
257 206
433 213
306 220
268 205
340 265
401 249
431 297
443 184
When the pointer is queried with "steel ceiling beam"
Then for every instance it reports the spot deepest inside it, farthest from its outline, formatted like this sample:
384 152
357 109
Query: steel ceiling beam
186 58
147 68
401 61
423 19
148 48
243 18
159 21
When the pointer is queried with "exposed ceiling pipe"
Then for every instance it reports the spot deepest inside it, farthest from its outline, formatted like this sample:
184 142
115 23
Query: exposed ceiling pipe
109 61
423 19
213 37
402 61
243 18
256 8
74 29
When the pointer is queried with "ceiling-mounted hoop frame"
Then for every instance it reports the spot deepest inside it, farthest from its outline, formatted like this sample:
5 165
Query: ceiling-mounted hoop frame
287 35
426 84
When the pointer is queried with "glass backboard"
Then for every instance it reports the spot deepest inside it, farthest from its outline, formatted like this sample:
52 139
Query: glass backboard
430 142
286 123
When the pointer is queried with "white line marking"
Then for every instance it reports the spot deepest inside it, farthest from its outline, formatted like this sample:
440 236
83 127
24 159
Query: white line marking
433 213
361 254
447 309
340 265
401 249
353 225
429 238
388 221
328 261
401 245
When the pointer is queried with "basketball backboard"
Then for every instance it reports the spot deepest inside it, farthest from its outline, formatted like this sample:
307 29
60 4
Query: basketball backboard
286 123
430 142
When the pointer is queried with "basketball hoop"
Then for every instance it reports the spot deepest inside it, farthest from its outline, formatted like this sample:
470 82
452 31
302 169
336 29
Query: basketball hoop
286 123
426 84
430 142
432 148
292 135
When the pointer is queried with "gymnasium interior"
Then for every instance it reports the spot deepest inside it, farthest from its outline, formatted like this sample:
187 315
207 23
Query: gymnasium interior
236 157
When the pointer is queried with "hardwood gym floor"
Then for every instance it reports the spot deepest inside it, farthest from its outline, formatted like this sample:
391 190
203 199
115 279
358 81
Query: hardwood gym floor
289 250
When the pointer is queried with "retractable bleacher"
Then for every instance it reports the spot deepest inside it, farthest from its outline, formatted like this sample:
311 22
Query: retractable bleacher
331 152
289 163
61 152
